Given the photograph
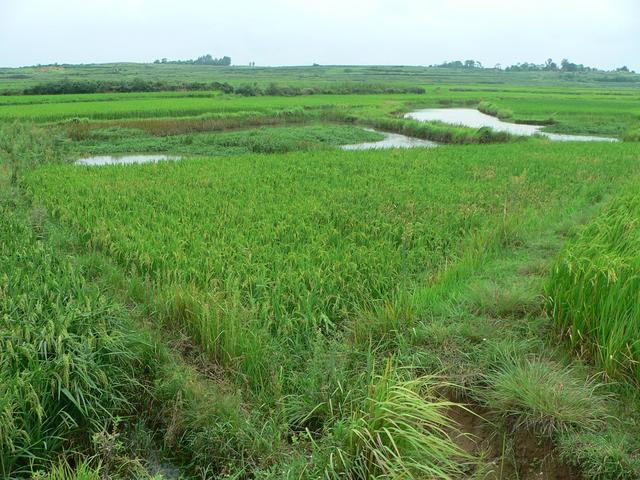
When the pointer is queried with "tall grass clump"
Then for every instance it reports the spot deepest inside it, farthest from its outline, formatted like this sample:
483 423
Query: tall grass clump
398 429
594 290
543 397
206 430
495 111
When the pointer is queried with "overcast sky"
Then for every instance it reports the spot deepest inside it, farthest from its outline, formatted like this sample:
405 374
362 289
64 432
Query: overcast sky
602 33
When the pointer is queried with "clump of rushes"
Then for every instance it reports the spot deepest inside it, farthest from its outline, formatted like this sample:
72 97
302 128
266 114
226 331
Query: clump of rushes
593 290
397 430
494 110
632 135
603 455
543 397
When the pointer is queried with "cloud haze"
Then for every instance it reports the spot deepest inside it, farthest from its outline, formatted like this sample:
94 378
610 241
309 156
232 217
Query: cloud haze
603 33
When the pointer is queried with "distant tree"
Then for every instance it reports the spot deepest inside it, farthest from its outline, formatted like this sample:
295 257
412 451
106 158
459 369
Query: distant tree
460 64
624 68
497 66
202 60
567 66
550 65
453 64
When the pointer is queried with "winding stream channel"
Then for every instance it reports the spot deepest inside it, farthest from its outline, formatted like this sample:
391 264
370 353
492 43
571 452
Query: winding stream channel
469 117
466 117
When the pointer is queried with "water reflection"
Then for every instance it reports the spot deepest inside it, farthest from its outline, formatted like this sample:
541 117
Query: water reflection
391 140
124 159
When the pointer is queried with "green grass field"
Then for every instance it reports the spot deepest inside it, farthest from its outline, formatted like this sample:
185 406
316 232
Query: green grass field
17 79
271 307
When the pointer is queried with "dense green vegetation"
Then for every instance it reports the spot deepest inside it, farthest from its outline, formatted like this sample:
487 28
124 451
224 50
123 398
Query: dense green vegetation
16 79
263 140
70 363
360 257
201 60
271 307
594 288
247 90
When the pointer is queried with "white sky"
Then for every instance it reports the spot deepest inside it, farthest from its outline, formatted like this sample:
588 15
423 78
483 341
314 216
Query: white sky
602 33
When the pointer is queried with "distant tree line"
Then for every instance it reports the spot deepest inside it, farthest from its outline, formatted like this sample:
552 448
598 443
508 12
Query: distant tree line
548 66
203 60
551 66
460 64
247 90
273 89
124 86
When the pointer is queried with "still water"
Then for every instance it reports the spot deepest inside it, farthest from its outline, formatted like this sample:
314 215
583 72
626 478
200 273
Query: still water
391 140
469 117
124 159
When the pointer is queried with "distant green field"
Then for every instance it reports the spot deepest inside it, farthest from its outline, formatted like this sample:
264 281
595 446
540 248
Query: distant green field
576 110
14 79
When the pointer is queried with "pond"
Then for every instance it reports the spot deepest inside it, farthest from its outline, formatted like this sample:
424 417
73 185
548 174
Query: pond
391 140
469 117
124 159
